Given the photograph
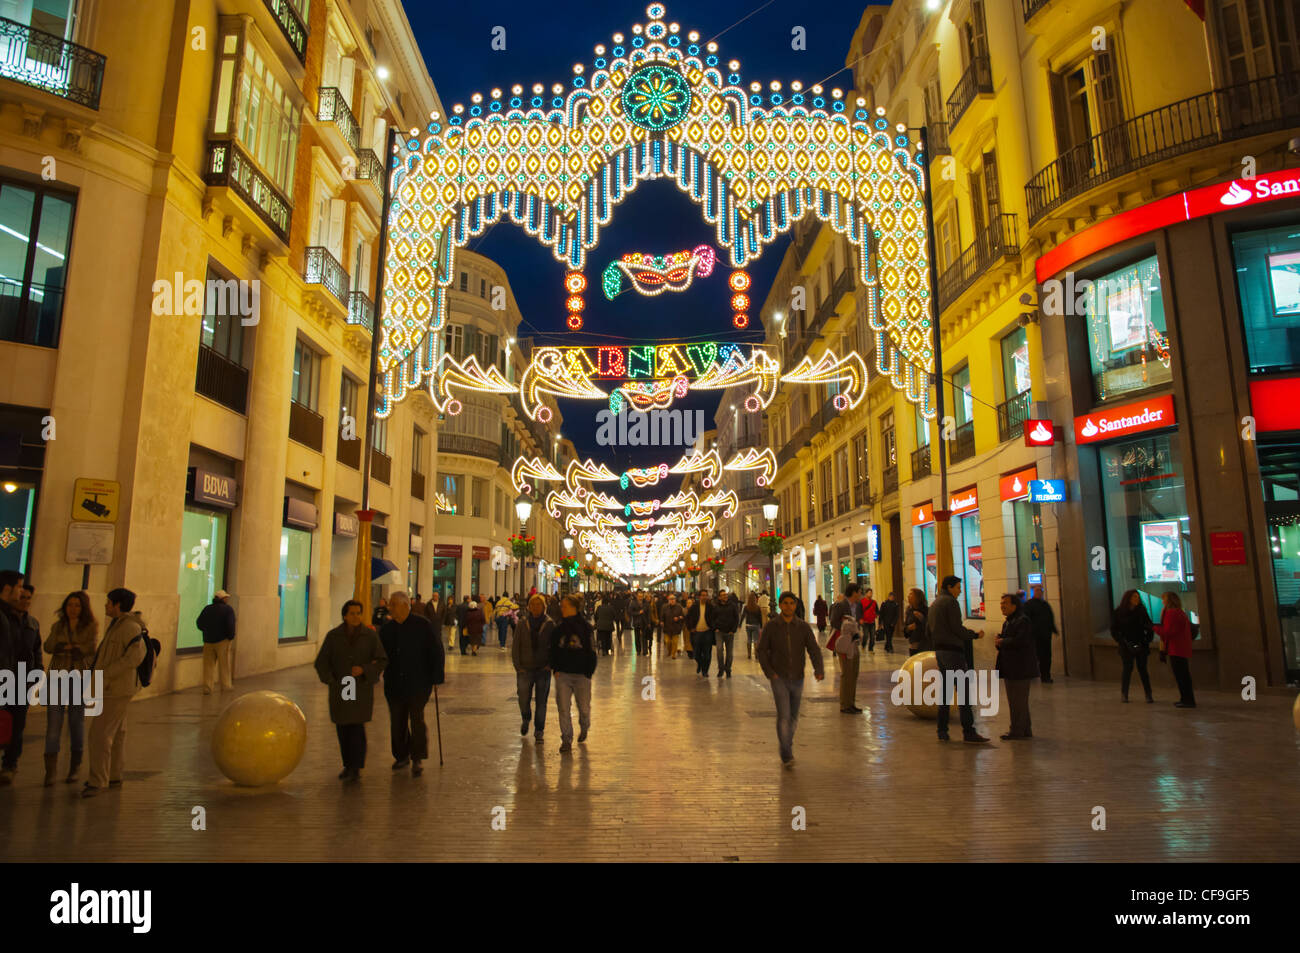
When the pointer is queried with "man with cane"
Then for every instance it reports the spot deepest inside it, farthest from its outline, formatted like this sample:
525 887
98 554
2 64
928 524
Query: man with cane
416 661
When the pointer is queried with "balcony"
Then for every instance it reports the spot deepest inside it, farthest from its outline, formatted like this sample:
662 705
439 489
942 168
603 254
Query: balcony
361 313
921 462
794 445
417 485
937 136
348 451
803 245
469 445
796 526
1211 118
889 478
828 511
1029 7
843 285
1011 417
221 379
306 426
371 171
860 494
229 166
334 109
751 492
50 63
842 502
963 445
323 269
976 81
288 16
381 467
997 242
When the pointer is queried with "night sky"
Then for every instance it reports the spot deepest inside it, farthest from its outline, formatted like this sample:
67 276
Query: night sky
542 44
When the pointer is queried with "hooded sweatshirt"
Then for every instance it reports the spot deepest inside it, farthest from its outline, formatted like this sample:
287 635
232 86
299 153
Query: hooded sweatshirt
572 650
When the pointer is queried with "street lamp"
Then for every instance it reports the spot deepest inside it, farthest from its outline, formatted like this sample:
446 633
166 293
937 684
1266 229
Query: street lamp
717 548
568 548
771 507
523 509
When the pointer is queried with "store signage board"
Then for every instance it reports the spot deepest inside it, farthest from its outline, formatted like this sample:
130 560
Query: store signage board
873 542
1047 491
1015 486
963 501
346 524
213 489
90 544
95 501
1039 433
1275 404
1035 578
1106 423
922 513
1228 549
447 550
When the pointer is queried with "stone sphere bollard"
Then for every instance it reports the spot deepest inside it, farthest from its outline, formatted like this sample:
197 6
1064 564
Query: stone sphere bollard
914 670
259 739
1295 713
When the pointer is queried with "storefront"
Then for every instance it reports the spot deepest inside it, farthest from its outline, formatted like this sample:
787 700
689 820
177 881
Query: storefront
1025 519
967 550
300 521
446 565
926 570
205 536
343 556
480 555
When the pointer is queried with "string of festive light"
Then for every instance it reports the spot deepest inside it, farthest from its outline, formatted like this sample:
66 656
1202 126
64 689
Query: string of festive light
751 458
652 275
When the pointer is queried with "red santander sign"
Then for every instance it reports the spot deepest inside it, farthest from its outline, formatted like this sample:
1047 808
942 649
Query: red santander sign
1106 423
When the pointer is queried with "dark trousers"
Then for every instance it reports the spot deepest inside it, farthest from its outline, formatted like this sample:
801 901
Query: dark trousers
606 640
409 734
702 644
1140 660
952 662
465 638
14 750
530 685
352 745
1183 675
1018 702
1043 646
644 640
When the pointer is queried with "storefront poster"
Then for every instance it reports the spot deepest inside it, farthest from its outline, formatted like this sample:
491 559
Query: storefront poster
1284 275
1162 551
1127 317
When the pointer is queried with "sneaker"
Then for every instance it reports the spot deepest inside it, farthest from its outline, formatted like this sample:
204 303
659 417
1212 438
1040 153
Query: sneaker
974 739
566 746
400 763
582 736
417 769
523 728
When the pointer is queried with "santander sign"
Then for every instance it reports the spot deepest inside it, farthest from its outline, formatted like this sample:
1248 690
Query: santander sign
1105 423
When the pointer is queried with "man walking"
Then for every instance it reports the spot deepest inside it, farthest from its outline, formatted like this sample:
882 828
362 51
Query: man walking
119 654
1042 622
950 640
674 620
726 621
531 653
700 621
847 606
351 650
217 623
889 612
23 646
781 648
573 659
415 664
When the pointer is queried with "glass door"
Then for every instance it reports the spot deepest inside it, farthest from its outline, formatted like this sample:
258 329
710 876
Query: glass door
1279 468
295 582
202 570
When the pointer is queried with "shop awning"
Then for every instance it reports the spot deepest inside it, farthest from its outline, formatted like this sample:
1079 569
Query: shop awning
738 560
384 572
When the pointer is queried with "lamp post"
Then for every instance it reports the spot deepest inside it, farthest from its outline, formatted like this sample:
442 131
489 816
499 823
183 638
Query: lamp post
523 509
568 548
717 548
771 507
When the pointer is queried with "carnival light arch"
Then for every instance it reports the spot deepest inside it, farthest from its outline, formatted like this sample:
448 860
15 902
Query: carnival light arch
656 107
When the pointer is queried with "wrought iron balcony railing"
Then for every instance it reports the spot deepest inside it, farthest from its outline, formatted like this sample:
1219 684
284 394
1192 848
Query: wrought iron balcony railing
921 462
842 502
229 165
963 445
794 445
381 468
361 313
468 445
306 426
938 139
334 108
1218 116
977 79
288 15
889 478
1011 416
998 241
804 244
48 62
322 268
349 451
1030 7
371 170
860 494
221 379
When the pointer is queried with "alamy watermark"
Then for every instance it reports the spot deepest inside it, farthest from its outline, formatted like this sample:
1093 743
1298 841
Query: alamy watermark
975 687
655 428
229 297
39 687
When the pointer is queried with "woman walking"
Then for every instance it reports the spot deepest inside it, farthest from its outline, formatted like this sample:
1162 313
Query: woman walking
1176 637
449 621
71 642
1132 630
351 651
914 614
475 624
753 622
1017 665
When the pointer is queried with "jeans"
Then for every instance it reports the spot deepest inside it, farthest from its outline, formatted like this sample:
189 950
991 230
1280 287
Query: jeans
352 746
502 624
787 692
567 687
751 636
955 662
76 728
1183 675
530 685
726 650
410 736
14 750
1130 659
703 648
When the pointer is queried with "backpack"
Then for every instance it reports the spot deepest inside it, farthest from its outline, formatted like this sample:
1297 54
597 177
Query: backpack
152 648
849 630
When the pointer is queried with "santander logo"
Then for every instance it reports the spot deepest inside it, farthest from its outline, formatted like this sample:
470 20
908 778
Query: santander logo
1235 195
1089 429
1151 414
1040 432
1017 486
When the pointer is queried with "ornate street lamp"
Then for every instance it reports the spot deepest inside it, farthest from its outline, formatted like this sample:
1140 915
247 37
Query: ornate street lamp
771 509
523 509
717 548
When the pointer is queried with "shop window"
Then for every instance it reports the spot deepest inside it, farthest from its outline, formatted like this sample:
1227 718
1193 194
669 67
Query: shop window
1015 363
306 376
1148 531
295 582
202 570
1127 339
17 512
927 563
968 558
1028 521
1279 468
1267 264
35 239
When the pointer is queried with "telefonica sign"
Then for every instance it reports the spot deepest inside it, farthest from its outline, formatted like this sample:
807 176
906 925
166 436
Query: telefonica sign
1108 422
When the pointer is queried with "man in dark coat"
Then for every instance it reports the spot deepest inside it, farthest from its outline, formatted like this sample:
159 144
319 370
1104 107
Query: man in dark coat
531 653
726 621
24 647
1042 622
415 665
1017 664
351 651
701 620
217 623
950 639
462 610
889 612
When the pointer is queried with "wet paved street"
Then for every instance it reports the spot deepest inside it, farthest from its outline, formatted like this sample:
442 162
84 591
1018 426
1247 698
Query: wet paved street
694 775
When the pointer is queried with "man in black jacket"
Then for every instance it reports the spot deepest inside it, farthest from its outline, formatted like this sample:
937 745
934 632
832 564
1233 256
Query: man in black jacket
701 620
889 611
573 660
22 646
415 664
531 653
1042 621
950 639
726 621
1017 665
217 623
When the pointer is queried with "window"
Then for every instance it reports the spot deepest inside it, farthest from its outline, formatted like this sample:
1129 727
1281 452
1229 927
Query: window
452 486
1085 103
1268 288
1256 38
454 341
202 568
223 329
922 429
842 469
306 376
464 281
963 404
348 391
417 451
478 498
35 239
295 582
482 287
1015 363
968 560
381 435
860 462
263 117
974 35
811 496
888 447
1129 347
828 484
1279 470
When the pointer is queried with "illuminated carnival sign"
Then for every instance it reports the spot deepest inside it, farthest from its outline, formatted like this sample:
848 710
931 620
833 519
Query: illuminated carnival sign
654 274
659 103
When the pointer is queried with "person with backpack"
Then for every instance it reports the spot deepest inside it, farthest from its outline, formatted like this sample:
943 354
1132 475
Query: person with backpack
124 651
845 636
217 623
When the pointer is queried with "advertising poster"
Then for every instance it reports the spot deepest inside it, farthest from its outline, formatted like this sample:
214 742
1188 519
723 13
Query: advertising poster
1125 309
1284 273
1162 551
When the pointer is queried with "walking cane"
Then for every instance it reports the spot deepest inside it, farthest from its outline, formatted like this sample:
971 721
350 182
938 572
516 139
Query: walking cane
437 717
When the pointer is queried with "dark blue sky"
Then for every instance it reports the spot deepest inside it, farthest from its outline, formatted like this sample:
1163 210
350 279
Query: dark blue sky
542 44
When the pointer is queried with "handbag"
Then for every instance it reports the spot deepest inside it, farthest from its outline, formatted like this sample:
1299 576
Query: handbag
6 726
